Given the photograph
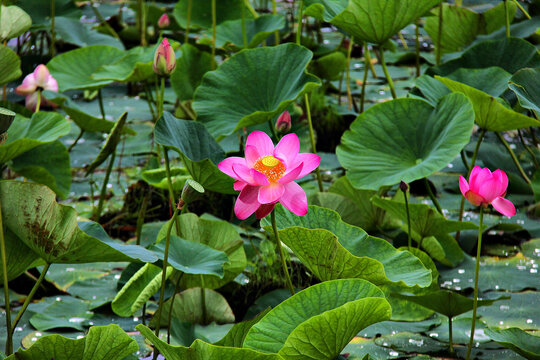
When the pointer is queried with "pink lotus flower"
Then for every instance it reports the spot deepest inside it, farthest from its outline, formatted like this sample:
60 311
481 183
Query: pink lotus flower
486 188
163 21
164 59
283 123
40 79
266 175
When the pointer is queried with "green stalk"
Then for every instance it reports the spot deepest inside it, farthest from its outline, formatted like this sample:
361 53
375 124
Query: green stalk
9 340
28 300
464 160
433 197
244 33
439 36
450 337
142 10
522 9
536 165
476 271
348 74
214 21
97 213
273 130
203 301
387 74
367 54
149 100
103 21
140 217
81 133
101 107
164 276
52 50
281 255
299 26
417 35
176 289
276 33
312 138
507 18
409 241
38 103
161 97
364 81
188 20
172 197
514 158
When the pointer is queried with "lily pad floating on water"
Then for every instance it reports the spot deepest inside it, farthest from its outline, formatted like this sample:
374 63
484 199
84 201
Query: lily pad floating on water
523 343
201 12
253 87
405 140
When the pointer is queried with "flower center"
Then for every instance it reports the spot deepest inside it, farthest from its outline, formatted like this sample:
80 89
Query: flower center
270 166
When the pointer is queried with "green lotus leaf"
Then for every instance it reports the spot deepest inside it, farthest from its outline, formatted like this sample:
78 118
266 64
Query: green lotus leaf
138 290
32 217
200 350
235 337
10 65
332 249
252 87
190 69
47 164
525 84
19 256
134 66
75 32
432 227
192 257
198 150
13 22
490 114
216 234
257 30
367 20
60 312
102 343
74 69
26 134
523 343
431 89
405 140
331 66
158 177
510 54
201 12
491 80
318 322
41 11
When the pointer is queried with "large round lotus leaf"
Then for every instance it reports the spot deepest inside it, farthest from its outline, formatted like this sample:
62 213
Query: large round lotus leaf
13 22
201 12
525 84
510 54
135 65
368 20
518 340
252 87
190 69
332 249
74 69
318 322
10 65
405 139
75 32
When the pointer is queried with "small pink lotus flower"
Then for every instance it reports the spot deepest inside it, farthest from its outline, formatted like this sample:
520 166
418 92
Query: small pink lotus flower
266 175
283 123
40 79
164 59
164 21
486 188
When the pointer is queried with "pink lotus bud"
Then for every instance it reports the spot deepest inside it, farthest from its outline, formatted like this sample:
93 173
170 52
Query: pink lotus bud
164 21
164 59
283 123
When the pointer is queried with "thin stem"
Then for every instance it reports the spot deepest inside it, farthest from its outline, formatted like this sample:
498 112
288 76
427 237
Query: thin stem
99 209
9 342
244 33
522 9
273 130
409 241
142 15
81 133
52 49
164 275
172 196
536 165
364 81
387 74
101 108
281 255
149 100
348 74
464 160
312 138
417 40
476 271
203 302
141 216
514 157
38 103
188 20
299 26
161 97
176 289
403 42
450 337
367 54
214 21
29 299
439 36
143 315
507 18
276 33
433 197
103 21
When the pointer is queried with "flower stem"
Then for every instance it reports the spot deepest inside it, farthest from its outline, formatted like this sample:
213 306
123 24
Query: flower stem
514 158
312 138
244 33
38 102
172 196
101 108
439 36
417 35
476 271
214 21
299 26
273 130
348 73
507 18
188 20
364 81
433 197
450 338
522 9
176 289
161 97
409 241
99 209
164 275
281 255
9 344
367 54
387 74
81 133
52 49
28 300
203 301
276 33
536 165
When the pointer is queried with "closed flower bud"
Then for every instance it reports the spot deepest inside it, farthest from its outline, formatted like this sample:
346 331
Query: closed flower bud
404 186
283 123
192 191
164 21
164 59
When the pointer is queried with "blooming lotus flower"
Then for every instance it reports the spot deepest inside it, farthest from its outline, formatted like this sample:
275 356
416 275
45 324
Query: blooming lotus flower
164 59
266 175
283 123
40 79
163 21
485 187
